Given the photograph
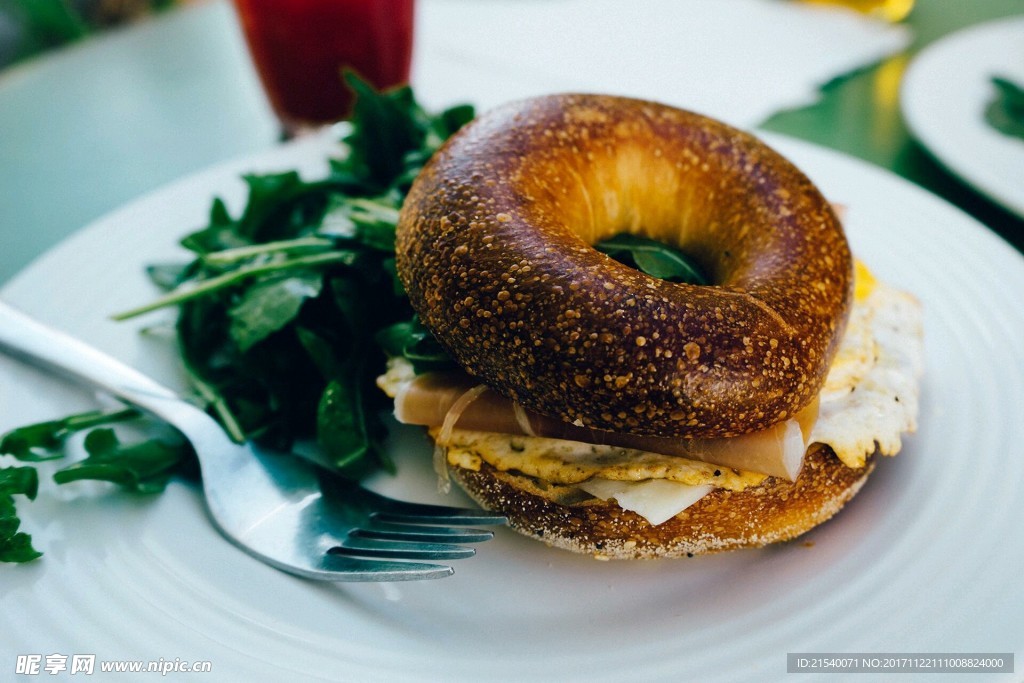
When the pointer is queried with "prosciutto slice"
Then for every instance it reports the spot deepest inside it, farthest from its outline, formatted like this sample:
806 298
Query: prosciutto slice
433 400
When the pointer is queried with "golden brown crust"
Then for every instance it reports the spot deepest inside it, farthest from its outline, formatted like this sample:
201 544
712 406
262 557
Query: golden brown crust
493 248
776 510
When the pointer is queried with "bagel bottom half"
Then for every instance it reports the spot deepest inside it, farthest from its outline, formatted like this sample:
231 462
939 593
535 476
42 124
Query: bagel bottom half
775 510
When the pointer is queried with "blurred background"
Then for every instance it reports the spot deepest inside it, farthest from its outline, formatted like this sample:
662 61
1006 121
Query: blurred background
150 91
30 27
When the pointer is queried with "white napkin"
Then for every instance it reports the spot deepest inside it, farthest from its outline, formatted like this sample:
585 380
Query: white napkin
736 60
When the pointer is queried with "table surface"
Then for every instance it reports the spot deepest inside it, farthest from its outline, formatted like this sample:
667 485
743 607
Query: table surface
95 125
860 114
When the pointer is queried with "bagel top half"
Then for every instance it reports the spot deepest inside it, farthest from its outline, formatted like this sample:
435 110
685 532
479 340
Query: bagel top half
494 249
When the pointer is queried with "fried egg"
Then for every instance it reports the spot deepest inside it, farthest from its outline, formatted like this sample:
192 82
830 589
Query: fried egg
870 398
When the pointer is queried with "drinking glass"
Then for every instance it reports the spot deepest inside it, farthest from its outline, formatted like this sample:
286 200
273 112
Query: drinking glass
301 48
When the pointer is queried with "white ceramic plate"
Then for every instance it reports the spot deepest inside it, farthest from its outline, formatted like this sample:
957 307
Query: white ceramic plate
943 98
926 559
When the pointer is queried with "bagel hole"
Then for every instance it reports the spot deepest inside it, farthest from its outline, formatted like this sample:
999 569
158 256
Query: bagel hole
654 258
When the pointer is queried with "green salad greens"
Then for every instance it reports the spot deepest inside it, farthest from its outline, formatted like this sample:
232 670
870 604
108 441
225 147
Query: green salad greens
1005 112
15 545
287 314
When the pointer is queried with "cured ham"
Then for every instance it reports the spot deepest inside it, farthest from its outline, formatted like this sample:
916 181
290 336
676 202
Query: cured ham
457 401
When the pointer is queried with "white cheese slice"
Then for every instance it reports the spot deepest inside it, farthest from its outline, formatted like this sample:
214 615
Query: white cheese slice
656 500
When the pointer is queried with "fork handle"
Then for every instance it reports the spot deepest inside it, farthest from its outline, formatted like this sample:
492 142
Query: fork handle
37 344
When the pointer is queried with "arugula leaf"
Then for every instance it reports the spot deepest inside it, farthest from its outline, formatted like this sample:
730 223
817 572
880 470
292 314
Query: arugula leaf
204 286
409 339
654 258
322 353
43 441
1005 112
279 250
22 480
167 276
370 221
280 206
449 121
392 137
269 305
142 467
219 234
16 546
341 431
392 125
348 436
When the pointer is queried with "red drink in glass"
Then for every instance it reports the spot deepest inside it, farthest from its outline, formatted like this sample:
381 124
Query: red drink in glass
301 47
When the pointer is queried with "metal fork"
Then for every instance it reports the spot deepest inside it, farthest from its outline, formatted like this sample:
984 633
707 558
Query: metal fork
283 510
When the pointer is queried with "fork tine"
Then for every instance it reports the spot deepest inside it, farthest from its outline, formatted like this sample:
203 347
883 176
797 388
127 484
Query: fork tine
338 567
379 507
420 513
370 547
468 518
424 534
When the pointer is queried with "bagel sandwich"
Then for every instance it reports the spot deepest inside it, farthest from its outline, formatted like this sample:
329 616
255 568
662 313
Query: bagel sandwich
607 412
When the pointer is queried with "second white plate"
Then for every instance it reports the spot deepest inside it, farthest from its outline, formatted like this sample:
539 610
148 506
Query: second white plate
944 95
